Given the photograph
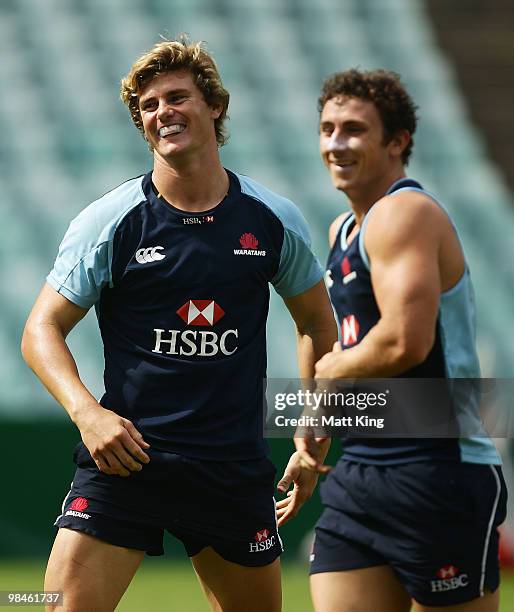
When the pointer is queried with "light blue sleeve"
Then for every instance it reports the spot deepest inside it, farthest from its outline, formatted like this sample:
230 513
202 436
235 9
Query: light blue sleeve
299 268
83 265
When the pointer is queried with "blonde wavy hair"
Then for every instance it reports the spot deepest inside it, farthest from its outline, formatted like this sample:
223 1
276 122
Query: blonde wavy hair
171 55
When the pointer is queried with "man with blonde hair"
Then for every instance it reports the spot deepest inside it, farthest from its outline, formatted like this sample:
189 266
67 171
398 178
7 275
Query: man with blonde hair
177 263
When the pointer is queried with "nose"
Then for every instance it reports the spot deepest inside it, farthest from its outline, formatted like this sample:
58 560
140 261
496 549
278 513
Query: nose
336 143
164 109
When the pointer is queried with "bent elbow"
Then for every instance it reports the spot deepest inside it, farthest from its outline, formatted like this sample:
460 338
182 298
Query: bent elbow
25 343
29 341
413 352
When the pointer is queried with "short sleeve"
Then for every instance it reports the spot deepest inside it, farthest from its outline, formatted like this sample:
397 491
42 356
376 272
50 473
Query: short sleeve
299 268
82 267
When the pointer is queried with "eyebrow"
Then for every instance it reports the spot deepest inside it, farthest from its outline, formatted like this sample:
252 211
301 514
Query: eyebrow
345 123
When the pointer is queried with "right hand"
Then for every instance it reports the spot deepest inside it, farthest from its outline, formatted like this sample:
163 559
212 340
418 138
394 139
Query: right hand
304 482
312 452
115 445
303 469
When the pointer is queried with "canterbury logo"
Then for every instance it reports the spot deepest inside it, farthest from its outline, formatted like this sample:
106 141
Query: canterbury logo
150 254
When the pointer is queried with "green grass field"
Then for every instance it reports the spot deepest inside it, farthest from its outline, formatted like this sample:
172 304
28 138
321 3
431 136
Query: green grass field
167 586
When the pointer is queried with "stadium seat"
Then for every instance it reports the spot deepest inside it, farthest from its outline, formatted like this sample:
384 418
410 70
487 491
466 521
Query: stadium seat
63 60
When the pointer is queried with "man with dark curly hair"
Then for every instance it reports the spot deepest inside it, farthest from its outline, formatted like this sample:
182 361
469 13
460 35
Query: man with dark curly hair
407 521
177 263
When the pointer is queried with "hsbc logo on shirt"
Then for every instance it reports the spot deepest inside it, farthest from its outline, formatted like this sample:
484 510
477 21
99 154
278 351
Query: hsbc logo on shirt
349 330
198 220
200 312
189 342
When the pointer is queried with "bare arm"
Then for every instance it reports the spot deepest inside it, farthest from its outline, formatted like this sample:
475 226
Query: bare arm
316 328
316 332
406 280
114 443
45 351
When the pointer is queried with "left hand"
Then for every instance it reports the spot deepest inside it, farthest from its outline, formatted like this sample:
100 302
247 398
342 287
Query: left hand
329 366
304 482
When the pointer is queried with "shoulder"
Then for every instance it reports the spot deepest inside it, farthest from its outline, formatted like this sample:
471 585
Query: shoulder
95 227
83 265
284 209
104 214
405 215
335 226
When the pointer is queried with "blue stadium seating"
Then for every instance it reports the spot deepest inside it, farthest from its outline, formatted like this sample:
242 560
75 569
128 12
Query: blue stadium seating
66 138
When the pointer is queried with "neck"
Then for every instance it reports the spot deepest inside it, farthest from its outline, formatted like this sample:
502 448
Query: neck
361 200
194 186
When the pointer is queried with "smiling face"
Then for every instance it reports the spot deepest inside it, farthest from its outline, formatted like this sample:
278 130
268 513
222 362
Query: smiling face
177 121
354 149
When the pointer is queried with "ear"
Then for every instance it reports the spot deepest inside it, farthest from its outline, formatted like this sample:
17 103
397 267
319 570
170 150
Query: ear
216 112
399 142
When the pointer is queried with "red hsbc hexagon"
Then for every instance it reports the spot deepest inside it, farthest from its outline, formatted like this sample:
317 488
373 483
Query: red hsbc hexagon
349 330
200 312
448 571
262 535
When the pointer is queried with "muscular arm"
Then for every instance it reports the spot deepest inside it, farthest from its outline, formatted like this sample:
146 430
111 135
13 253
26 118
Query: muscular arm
113 441
403 241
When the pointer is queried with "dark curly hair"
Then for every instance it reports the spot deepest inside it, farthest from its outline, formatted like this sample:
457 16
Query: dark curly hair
385 89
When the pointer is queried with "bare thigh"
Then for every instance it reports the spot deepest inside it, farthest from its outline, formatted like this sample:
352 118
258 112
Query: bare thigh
230 587
490 602
360 590
92 574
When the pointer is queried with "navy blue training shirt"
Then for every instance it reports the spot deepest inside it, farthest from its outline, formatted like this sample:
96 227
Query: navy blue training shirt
182 302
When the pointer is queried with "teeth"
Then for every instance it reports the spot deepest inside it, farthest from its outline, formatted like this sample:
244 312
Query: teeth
176 128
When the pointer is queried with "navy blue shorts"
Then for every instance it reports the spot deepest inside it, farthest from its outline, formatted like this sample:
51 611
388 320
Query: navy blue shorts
434 524
223 504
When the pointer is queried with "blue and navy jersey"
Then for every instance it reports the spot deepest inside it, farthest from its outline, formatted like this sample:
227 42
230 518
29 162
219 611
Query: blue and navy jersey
182 302
453 354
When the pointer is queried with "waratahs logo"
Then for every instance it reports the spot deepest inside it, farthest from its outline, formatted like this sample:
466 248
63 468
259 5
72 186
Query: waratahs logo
77 507
248 241
80 504
249 244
